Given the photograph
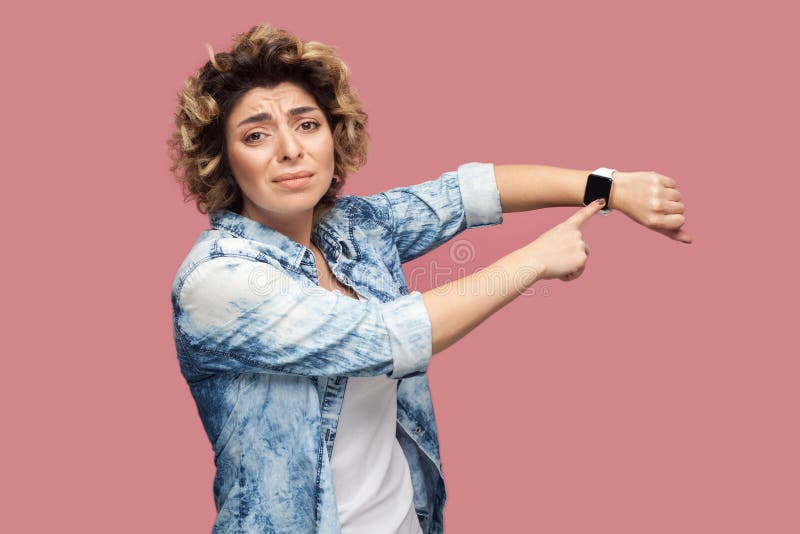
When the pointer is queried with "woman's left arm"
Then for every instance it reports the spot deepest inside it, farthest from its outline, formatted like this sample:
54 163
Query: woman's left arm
649 198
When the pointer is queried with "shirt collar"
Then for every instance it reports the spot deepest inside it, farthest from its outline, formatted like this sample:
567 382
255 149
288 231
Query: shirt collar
323 235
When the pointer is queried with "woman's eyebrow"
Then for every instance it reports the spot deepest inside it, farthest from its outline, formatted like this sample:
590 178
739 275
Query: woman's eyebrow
266 117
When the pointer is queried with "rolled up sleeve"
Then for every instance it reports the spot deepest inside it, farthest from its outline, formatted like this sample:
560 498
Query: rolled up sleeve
409 325
235 314
478 186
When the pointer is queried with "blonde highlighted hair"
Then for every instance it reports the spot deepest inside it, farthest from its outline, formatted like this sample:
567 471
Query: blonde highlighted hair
262 57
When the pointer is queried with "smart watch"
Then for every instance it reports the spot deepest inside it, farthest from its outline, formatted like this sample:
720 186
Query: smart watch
598 185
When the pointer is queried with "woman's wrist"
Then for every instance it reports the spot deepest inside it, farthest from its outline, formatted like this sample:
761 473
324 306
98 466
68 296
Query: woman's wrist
616 198
535 268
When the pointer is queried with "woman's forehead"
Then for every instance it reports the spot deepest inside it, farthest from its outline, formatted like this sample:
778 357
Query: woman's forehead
285 93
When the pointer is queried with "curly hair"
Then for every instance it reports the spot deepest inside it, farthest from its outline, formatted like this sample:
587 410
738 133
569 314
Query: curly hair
264 56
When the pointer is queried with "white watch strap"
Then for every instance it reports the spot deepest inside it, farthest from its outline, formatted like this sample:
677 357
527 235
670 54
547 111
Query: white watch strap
604 171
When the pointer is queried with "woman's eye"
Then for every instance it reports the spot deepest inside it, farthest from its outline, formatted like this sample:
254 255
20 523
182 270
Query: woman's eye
314 124
309 122
250 137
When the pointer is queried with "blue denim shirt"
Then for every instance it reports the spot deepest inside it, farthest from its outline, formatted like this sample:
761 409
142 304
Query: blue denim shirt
266 352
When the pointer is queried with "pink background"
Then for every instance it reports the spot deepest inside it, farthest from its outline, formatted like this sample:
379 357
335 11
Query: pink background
657 393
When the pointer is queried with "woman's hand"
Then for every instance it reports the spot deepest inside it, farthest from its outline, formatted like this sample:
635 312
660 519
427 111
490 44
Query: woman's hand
652 200
561 251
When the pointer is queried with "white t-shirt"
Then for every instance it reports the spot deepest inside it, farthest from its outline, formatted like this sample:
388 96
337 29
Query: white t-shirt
371 478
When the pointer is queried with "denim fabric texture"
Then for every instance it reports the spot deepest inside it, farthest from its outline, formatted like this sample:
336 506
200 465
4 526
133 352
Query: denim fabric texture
266 352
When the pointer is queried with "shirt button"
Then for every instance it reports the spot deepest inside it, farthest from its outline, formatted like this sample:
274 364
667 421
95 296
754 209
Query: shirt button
418 430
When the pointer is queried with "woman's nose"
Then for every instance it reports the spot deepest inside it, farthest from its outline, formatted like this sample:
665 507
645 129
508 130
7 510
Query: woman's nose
288 144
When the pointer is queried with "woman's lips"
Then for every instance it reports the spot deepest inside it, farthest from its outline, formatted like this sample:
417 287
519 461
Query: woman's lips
295 183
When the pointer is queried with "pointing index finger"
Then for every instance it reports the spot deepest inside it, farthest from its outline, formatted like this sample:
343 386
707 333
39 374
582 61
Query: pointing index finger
585 213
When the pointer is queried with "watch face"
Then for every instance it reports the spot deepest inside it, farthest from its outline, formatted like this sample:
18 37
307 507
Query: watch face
597 187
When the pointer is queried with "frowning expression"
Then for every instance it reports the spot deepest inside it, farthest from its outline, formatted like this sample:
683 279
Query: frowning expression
274 131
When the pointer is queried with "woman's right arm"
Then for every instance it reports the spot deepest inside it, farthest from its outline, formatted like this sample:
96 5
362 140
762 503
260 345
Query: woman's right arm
236 314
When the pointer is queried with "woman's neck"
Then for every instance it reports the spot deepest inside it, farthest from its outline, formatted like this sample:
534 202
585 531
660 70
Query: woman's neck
296 227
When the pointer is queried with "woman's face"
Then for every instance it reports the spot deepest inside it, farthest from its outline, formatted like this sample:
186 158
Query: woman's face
270 132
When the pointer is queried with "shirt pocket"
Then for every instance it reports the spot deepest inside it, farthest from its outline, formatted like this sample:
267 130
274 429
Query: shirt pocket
380 281
378 266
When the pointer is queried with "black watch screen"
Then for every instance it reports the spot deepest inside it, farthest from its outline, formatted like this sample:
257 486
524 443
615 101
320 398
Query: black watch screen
597 187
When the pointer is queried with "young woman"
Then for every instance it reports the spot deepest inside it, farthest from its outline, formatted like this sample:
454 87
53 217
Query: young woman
303 348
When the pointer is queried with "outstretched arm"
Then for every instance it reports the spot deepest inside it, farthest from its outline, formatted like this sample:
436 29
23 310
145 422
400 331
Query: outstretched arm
649 198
